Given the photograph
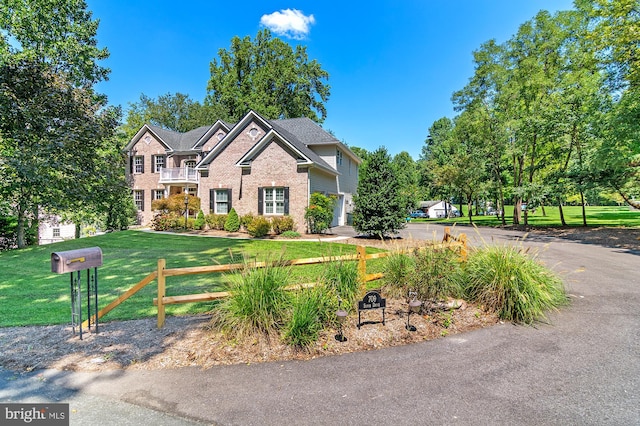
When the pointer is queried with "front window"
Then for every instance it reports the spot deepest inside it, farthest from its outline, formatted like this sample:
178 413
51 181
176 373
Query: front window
160 163
138 197
138 164
190 164
339 157
56 232
221 201
158 194
274 201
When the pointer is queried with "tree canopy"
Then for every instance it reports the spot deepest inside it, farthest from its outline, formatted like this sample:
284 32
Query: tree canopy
269 76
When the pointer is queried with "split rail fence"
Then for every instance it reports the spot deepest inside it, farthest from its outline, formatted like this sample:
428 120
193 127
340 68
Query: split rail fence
449 241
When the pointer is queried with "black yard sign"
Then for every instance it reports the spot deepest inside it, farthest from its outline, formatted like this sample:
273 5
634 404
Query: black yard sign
371 300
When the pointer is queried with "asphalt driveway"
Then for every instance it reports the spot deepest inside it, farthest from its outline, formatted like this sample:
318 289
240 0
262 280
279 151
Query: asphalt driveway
580 368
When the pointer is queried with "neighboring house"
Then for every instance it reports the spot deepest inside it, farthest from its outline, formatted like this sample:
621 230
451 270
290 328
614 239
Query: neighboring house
258 166
51 230
438 209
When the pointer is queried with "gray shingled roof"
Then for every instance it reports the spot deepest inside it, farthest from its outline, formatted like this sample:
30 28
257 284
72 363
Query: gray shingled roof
180 142
306 130
300 134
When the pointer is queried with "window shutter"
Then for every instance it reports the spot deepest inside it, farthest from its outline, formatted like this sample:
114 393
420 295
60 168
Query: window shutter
212 200
142 200
286 200
142 165
153 164
229 198
131 157
260 200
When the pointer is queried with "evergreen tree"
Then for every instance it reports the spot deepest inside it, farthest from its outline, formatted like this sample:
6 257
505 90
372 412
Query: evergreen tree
379 209
232 224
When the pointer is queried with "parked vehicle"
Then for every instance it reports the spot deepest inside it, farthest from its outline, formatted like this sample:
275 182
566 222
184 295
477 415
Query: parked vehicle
418 214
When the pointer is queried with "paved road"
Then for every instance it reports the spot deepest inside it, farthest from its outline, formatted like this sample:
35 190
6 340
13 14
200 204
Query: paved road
582 368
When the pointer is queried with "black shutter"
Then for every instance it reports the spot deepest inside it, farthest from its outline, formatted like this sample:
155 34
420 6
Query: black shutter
153 164
260 200
229 198
212 201
142 209
131 157
286 200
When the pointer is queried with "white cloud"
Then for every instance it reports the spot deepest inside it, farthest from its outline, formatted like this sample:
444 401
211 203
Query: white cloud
290 23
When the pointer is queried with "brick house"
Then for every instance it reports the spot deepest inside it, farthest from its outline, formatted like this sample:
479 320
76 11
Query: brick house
258 166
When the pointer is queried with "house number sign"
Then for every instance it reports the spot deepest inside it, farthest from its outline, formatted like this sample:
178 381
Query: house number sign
371 300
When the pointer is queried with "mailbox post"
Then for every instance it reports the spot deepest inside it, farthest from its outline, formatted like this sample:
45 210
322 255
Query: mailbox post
74 262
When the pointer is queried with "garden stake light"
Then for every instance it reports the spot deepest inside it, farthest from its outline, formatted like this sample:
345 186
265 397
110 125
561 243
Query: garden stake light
342 316
414 306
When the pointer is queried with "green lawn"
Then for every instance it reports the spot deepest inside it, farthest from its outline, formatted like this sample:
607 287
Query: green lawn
596 216
31 295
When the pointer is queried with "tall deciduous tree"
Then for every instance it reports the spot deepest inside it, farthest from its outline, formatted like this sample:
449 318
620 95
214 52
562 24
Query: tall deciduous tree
269 76
54 129
379 209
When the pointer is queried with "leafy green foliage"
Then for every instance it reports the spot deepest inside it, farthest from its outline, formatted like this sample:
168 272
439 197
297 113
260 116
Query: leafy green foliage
268 76
259 227
379 206
282 224
319 214
506 280
232 224
200 222
216 221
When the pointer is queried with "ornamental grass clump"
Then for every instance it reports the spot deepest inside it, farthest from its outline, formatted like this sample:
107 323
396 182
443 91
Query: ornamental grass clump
258 303
310 314
508 281
341 281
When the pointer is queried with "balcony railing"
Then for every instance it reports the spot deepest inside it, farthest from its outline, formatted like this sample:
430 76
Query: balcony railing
178 175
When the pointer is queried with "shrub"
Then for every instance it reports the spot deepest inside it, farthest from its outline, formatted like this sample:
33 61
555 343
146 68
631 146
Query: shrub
258 301
167 221
291 234
506 280
308 318
175 204
216 221
319 214
259 227
199 223
232 224
246 220
282 224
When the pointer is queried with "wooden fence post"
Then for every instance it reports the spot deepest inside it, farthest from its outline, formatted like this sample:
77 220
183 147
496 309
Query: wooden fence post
161 291
463 251
362 263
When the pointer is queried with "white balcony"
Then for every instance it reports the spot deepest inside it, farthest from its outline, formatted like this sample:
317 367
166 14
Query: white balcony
178 175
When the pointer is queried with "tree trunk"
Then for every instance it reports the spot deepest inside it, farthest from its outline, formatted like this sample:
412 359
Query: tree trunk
562 221
77 230
517 211
469 209
20 231
544 212
584 210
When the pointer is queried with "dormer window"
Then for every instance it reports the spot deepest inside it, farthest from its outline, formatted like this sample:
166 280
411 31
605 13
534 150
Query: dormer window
147 139
338 157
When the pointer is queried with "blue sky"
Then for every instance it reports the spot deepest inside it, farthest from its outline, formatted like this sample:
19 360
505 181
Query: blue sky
393 65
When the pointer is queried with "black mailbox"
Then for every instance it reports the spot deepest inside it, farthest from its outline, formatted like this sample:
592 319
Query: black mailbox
76 260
